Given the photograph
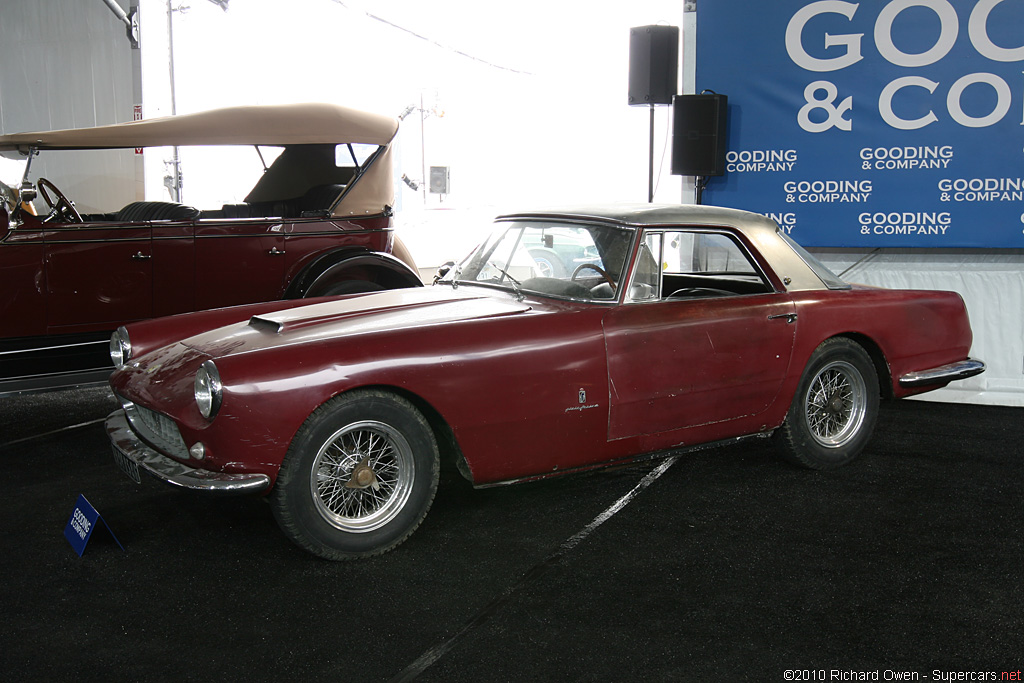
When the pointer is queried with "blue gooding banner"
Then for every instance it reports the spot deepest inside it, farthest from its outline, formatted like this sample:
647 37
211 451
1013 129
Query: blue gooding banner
871 124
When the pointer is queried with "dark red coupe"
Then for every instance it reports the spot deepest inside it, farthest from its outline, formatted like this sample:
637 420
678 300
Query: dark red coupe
566 341
316 221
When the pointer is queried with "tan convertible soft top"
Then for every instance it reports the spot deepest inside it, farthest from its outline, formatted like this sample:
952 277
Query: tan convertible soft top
287 125
281 124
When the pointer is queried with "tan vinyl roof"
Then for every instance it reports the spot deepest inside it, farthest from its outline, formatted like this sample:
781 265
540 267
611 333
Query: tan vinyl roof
282 124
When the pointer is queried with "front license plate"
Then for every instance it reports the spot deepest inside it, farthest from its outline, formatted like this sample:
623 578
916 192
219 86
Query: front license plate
127 465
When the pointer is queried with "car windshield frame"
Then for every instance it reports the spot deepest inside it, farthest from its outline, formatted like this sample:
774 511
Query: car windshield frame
551 258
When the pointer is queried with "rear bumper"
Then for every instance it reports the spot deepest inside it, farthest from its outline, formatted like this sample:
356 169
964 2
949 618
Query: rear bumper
172 472
943 374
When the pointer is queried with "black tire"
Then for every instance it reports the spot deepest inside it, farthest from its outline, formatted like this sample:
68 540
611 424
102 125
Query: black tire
358 478
834 409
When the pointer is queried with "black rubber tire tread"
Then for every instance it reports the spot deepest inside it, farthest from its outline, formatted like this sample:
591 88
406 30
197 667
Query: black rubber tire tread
291 502
794 440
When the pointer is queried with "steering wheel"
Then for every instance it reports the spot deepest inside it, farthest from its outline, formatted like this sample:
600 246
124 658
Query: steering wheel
63 208
601 271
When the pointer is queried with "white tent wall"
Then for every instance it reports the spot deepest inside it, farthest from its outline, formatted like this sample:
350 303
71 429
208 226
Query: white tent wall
69 64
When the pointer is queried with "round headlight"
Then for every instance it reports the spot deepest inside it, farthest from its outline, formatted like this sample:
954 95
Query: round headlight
120 347
208 389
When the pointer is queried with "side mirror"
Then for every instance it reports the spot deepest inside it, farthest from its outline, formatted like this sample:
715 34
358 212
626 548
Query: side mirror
443 270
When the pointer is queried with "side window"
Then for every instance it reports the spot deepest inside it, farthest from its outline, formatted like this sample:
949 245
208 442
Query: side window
705 253
687 264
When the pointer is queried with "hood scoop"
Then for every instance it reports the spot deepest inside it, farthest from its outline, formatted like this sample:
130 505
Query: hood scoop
264 324
392 309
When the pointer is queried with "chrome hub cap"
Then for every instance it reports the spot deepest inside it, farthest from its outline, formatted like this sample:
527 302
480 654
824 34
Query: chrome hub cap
362 476
836 404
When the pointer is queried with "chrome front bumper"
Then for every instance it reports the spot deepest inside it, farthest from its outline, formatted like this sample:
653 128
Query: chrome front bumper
943 374
172 472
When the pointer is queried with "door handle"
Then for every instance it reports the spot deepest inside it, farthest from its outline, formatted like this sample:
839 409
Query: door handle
276 252
790 317
139 256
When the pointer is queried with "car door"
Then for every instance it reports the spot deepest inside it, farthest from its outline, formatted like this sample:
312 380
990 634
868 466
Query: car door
174 267
683 361
239 261
98 275
22 259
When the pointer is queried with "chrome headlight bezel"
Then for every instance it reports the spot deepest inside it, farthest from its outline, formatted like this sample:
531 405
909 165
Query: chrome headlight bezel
120 347
208 390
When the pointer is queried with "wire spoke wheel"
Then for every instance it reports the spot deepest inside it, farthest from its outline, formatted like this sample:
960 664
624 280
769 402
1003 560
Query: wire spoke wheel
833 411
362 476
836 404
359 476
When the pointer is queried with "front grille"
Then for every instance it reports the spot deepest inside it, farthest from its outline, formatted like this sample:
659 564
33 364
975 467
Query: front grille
156 429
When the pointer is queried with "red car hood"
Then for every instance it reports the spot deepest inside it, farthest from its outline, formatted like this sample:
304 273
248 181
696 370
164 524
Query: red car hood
360 315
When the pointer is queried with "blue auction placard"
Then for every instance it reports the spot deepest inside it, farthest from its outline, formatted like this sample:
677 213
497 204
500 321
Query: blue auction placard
82 523
871 124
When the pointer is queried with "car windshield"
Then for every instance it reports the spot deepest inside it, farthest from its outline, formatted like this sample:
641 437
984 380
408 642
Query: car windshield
565 260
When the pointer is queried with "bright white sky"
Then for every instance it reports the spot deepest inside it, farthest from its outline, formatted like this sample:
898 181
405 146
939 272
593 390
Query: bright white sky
534 108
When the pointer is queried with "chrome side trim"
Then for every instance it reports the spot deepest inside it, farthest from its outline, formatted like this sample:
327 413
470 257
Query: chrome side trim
943 374
55 347
175 473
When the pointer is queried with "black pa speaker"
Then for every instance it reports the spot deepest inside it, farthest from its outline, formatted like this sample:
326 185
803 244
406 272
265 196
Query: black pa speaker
698 134
653 64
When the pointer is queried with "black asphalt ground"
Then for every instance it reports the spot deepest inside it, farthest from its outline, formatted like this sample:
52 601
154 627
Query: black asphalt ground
721 565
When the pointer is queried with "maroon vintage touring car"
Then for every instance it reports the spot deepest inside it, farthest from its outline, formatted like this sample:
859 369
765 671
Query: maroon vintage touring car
316 222
566 341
